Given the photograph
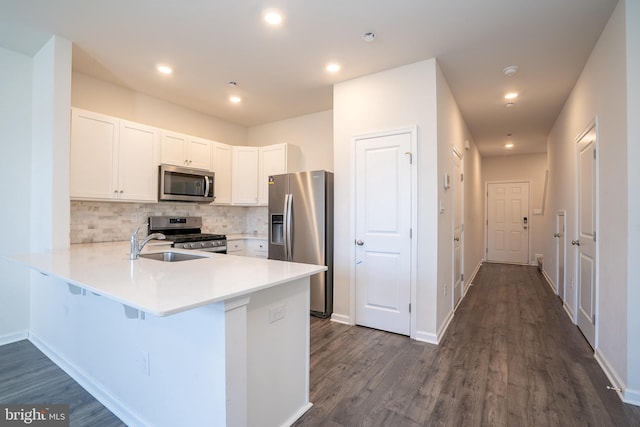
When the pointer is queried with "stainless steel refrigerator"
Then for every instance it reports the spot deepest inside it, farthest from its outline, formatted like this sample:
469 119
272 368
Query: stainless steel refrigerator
301 228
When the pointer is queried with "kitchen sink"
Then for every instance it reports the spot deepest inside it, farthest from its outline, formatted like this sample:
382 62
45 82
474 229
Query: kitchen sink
172 256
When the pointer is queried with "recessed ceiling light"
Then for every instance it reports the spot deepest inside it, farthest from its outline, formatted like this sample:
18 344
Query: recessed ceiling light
273 17
508 145
235 99
510 70
369 36
511 95
164 69
333 67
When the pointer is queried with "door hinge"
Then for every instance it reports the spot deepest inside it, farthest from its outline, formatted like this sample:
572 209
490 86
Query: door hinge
409 307
462 227
411 233
594 236
462 277
594 153
461 177
486 250
593 318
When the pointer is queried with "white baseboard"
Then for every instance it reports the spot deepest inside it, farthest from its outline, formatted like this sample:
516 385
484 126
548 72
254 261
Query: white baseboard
297 415
341 318
426 337
610 372
14 337
472 277
550 282
103 396
632 397
567 310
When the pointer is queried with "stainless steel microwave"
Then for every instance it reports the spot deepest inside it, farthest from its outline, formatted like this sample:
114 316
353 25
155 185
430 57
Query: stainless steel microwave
178 184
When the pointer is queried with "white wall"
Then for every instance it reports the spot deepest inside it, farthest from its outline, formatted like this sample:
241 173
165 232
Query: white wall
632 393
600 92
529 167
313 133
51 135
453 132
15 187
415 94
398 98
107 98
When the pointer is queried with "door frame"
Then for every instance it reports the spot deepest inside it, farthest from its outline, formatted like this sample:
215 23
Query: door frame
593 124
485 255
458 186
561 214
413 133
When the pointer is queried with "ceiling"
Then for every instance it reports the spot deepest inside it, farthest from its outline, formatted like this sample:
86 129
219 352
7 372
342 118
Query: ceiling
280 72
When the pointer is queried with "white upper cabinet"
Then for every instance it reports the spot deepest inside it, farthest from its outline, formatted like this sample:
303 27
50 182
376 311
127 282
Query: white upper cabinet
274 160
244 171
138 162
112 159
184 150
222 168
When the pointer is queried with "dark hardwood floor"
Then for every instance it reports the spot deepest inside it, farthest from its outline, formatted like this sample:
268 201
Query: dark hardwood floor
511 357
28 376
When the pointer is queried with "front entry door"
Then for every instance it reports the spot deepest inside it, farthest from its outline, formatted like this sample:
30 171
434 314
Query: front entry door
508 222
383 228
586 242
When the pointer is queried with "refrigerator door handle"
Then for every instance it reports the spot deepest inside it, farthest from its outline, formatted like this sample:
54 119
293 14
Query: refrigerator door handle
288 248
285 227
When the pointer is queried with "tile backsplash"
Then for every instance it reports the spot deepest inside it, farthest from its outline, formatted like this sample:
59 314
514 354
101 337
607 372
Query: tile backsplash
109 221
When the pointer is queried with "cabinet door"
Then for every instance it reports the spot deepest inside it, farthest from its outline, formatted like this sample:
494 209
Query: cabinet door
222 168
274 160
92 158
244 186
199 153
236 247
138 162
257 248
173 149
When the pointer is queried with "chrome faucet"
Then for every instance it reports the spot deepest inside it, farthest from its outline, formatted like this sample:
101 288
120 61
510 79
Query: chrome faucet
136 245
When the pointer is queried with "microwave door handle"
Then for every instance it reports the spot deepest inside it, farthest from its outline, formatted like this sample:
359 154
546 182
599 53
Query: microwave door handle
206 186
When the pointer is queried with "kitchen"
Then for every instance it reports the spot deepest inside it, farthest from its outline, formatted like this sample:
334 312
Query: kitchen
49 217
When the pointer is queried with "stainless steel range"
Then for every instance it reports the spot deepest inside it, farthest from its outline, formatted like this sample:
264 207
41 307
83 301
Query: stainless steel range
185 233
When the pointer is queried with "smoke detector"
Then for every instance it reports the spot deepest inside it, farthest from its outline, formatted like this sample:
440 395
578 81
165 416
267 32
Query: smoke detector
510 70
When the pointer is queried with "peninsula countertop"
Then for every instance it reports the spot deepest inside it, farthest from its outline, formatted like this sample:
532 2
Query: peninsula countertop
162 288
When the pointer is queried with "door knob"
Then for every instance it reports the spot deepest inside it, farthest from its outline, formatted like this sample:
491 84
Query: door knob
359 242
457 239
556 234
575 242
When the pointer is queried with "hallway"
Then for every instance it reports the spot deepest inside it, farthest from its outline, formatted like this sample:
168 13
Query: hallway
511 357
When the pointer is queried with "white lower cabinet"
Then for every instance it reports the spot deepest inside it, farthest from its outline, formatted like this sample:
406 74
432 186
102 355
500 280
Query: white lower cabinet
112 159
236 247
257 248
252 247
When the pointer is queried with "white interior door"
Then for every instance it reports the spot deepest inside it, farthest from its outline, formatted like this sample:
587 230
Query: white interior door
560 252
586 242
383 227
458 215
508 222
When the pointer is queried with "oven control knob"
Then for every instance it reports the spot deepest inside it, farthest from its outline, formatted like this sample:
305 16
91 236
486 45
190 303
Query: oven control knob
203 245
191 245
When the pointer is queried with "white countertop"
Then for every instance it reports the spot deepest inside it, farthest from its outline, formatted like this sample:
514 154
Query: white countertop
163 288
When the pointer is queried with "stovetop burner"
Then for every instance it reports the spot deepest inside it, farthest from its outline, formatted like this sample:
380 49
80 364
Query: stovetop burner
185 232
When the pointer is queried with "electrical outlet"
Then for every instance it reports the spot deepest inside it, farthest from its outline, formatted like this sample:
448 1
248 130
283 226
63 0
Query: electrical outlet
276 313
143 363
